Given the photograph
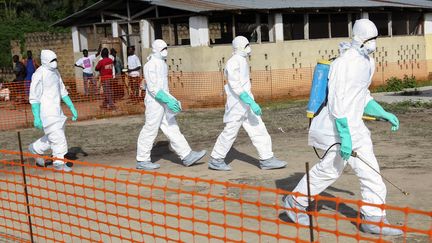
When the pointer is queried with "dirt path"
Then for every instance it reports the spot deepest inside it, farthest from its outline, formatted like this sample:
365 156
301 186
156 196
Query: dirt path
405 157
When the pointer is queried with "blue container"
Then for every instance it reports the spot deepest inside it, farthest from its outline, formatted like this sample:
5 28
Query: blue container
318 92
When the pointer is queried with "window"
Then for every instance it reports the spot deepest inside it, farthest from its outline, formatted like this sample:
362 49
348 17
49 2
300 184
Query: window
399 23
381 22
173 31
246 25
415 23
264 23
250 25
355 17
339 25
293 25
318 26
160 29
181 31
220 29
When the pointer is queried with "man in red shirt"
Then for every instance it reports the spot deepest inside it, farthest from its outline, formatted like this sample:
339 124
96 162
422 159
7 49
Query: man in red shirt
105 68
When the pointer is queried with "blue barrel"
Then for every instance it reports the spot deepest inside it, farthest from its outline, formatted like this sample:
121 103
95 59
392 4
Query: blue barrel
318 92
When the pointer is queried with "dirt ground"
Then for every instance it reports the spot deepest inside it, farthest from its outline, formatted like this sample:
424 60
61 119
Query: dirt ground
405 157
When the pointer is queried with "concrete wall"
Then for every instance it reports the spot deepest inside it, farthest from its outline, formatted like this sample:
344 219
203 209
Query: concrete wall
278 70
283 69
299 54
60 43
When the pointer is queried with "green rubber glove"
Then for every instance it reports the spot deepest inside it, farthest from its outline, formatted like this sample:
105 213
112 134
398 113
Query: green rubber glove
374 109
171 102
66 99
247 99
345 136
37 122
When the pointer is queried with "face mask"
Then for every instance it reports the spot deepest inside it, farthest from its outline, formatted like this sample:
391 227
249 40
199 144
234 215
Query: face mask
370 46
164 53
53 65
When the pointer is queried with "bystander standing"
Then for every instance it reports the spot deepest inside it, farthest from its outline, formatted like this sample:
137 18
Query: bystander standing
105 68
86 63
134 70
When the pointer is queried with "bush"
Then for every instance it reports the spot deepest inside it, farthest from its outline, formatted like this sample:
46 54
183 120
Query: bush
397 84
409 82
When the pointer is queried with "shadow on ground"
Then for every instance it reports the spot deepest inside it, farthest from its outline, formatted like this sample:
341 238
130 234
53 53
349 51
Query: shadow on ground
291 182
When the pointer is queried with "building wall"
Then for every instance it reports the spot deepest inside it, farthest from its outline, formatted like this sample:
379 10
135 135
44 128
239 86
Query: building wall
296 54
60 43
283 69
279 70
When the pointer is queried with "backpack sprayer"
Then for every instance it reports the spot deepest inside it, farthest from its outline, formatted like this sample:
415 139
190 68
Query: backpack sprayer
318 100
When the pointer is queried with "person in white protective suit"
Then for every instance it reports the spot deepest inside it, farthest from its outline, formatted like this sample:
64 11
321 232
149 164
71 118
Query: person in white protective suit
242 110
46 92
161 108
340 121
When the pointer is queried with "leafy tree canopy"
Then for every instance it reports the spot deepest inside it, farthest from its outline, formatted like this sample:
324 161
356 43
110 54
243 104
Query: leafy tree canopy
18 17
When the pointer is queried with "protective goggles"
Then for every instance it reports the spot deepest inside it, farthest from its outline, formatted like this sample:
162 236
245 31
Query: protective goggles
372 38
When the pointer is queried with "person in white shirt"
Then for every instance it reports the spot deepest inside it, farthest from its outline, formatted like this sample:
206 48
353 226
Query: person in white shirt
134 71
86 63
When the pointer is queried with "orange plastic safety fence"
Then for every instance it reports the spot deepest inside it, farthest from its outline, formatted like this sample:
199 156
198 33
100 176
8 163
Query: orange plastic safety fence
124 95
99 203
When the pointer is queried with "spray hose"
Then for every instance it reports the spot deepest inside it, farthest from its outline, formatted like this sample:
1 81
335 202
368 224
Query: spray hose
356 155
325 153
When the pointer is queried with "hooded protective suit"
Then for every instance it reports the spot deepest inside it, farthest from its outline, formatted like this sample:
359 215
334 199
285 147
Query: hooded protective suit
161 108
46 92
242 110
348 96
47 88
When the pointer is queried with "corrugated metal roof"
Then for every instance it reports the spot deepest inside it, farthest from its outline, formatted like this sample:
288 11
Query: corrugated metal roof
218 5
202 6
69 20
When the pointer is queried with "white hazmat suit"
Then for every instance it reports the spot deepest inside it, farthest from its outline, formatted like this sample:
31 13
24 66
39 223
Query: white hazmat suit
349 78
47 89
242 110
158 114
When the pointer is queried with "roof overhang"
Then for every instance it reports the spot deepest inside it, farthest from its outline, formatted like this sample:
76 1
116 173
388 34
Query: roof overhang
131 10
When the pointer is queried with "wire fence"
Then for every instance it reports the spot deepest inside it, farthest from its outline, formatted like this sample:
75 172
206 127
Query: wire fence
124 95
99 203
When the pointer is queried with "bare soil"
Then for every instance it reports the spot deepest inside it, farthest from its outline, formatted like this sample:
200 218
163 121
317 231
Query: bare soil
405 156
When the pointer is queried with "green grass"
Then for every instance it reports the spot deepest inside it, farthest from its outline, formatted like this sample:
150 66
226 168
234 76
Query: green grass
424 83
278 105
405 106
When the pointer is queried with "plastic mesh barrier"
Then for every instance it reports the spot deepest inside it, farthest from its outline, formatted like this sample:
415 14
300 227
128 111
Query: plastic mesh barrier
192 89
99 203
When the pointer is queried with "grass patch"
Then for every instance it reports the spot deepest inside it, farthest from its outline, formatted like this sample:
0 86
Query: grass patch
424 83
279 105
405 106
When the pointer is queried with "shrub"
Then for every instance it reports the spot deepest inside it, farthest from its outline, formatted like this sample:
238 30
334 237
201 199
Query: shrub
397 84
409 82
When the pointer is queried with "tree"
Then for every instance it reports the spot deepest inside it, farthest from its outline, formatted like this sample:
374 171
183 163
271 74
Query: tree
27 16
